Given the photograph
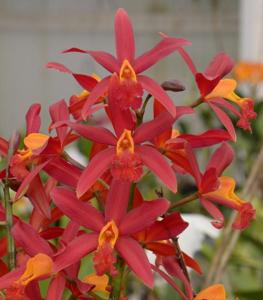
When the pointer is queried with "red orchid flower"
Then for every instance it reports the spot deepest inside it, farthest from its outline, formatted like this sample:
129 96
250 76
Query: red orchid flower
76 102
112 231
43 152
125 155
157 238
39 263
215 91
171 142
125 86
216 189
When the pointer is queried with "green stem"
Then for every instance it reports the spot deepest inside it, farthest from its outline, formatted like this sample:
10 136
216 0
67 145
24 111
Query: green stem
196 103
117 281
9 225
140 113
185 200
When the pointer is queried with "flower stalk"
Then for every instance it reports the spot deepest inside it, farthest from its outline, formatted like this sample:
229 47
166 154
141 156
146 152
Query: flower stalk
184 200
9 225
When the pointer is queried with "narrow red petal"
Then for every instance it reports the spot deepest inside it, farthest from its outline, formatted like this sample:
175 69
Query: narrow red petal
33 120
149 130
218 221
3 147
59 67
220 65
117 201
150 210
171 226
207 138
156 91
124 37
158 165
99 91
221 159
80 212
29 178
96 167
169 280
223 117
56 287
27 238
192 263
186 57
59 112
8 279
75 250
37 195
106 60
63 172
96 134
136 259
165 47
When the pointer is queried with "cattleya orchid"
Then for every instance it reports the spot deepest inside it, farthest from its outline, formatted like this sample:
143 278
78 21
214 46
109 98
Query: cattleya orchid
98 212
214 90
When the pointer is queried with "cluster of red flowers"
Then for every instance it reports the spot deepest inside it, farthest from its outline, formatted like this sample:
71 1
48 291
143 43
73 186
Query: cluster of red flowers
108 217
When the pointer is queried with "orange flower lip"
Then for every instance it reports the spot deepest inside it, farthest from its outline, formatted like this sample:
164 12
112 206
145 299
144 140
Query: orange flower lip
109 234
37 266
125 142
127 71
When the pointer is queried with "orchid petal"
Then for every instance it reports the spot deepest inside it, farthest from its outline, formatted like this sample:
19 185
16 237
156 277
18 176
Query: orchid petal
96 167
156 91
207 138
75 250
173 268
96 134
221 159
8 279
186 57
70 232
99 91
3 147
149 130
86 81
218 221
169 280
124 37
37 195
220 65
150 210
120 119
158 165
105 59
136 259
117 201
165 47
63 171
28 179
171 226
33 120
223 117
215 292
26 237
56 287
80 212
59 112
